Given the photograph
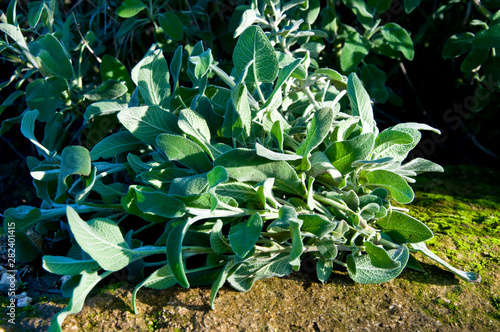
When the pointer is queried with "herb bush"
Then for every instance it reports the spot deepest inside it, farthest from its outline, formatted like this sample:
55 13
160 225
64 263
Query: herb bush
231 177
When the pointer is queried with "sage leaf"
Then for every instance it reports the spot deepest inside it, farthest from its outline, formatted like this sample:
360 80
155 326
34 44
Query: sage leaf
110 89
319 128
343 153
221 280
147 122
218 241
244 165
171 25
159 203
130 8
355 49
324 269
102 239
52 56
112 69
44 95
248 272
271 155
68 266
75 160
394 183
185 151
360 103
379 257
114 145
105 107
253 45
365 273
471 277
398 39
404 229
243 236
151 76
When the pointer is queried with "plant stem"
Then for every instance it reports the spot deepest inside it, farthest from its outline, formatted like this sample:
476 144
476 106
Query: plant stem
332 203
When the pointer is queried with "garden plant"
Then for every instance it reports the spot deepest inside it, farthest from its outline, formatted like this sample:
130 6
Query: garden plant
192 170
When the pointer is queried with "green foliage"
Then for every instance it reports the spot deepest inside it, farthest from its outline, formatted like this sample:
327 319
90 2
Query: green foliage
212 177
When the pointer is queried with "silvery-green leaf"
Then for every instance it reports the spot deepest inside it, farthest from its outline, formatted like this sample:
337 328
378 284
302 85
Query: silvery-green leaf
89 184
253 45
75 160
389 141
419 165
324 269
147 122
185 151
102 240
248 272
471 277
28 130
379 257
241 192
404 229
343 153
327 248
189 186
221 280
151 76
114 145
53 57
159 203
398 39
271 155
400 190
68 266
104 107
297 245
172 25
355 49
44 95
196 128
247 19
202 63
365 273
360 103
110 89
244 235
244 165
318 130
316 224
175 66
218 241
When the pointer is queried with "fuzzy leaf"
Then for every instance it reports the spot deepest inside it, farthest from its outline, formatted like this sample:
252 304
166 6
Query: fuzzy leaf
147 122
253 45
361 269
404 229
243 236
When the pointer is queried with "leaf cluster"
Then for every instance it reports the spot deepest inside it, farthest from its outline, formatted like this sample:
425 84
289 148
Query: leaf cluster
227 177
